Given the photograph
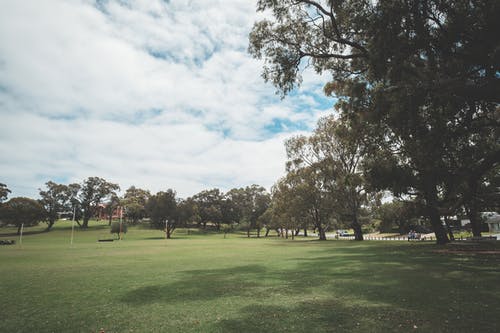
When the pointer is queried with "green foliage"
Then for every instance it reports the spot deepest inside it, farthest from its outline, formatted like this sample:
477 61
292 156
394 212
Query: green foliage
134 202
397 214
118 228
19 210
55 199
162 210
325 180
421 78
93 191
209 206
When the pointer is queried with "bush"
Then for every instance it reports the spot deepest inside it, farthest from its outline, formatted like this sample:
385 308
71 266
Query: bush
115 228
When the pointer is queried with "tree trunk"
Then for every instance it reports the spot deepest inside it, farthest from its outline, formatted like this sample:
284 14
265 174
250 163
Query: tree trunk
169 232
321 232
85 223
305 232
50 225
358 233
475 220
433 214
267 232
297 231
19 229
248 233
437 226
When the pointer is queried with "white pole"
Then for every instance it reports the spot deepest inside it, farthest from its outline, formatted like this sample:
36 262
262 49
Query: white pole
72 231
121 213
21 236
73 225
166 232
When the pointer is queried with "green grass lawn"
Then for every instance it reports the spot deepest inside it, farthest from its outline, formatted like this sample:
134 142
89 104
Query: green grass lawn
205 283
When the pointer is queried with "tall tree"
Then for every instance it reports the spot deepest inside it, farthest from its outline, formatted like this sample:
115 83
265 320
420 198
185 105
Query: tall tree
423 73
256 201
162 210
187 212
209 204
19 210
334 154
299 200
54 199
134 202
93 191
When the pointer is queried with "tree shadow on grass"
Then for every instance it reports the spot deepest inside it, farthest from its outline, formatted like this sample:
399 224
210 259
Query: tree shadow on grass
328 315
195 285
370 288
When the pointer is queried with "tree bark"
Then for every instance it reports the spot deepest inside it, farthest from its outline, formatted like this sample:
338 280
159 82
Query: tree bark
321 232
358 233
431 205
305 232
437 226
475 220
50 225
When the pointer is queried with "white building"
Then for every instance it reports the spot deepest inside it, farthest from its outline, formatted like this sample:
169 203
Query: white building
493 220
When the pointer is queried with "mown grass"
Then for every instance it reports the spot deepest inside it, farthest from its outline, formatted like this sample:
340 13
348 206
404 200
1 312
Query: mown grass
205 283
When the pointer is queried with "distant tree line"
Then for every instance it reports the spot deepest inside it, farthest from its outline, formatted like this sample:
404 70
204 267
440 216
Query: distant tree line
238 208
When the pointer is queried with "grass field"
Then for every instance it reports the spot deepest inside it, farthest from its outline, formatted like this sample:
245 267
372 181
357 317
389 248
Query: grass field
205 283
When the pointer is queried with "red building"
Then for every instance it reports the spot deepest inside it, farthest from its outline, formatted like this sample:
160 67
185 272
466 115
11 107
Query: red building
103 212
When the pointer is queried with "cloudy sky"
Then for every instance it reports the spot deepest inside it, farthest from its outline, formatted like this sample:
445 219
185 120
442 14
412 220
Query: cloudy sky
156 94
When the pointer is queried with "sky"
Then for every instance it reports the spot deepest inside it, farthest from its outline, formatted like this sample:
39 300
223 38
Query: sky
155 94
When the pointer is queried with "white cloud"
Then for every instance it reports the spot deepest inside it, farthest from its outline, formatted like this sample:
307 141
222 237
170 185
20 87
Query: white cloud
151 93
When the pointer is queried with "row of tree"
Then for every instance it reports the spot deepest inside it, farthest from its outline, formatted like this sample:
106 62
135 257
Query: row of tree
239 206
417 84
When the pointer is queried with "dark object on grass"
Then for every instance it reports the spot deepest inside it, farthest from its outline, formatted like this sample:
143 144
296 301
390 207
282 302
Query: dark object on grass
7 242
118 228
106 240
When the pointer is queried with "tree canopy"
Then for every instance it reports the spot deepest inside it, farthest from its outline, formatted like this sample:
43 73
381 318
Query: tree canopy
422 76
19 210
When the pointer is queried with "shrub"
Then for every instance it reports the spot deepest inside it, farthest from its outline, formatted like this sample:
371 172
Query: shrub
116 228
